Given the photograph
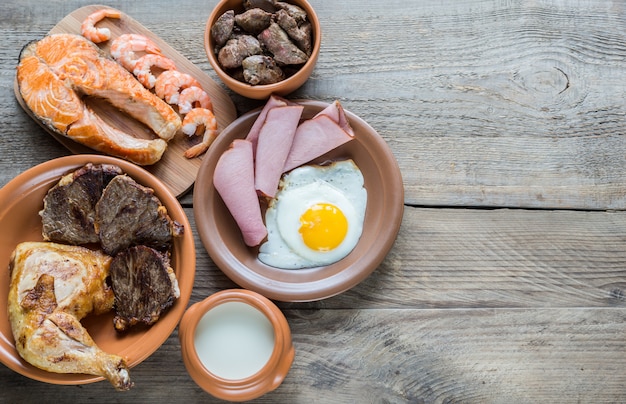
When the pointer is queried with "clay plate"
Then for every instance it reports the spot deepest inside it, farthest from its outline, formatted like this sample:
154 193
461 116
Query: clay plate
21 200
174 169
385 206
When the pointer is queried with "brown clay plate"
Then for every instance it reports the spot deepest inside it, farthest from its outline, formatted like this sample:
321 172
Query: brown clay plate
21 200
174 169
385 206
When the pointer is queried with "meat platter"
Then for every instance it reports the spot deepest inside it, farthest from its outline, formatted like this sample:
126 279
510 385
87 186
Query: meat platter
176 171
22 198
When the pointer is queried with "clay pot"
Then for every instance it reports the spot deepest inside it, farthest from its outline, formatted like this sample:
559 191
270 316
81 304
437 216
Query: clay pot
262 92
248 387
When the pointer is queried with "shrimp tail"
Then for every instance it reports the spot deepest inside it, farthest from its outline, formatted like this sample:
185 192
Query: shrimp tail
203 146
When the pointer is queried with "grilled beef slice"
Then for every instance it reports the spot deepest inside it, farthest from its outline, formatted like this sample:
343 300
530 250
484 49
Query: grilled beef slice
69 206
144 286
129 214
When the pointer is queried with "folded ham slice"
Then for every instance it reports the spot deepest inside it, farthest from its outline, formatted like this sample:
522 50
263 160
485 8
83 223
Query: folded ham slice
336 112
273 145
272 102
314 138
234 181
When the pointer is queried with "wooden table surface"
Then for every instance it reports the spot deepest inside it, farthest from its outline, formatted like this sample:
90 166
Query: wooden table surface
507 281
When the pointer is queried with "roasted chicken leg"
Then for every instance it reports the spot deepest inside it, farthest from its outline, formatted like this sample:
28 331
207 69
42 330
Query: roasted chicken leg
52 287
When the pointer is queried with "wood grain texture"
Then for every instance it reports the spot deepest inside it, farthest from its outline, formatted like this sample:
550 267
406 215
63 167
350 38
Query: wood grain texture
506 283
407 356
488 103
468 258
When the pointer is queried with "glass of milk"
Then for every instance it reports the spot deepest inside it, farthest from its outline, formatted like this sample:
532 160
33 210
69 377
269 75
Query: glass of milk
236 344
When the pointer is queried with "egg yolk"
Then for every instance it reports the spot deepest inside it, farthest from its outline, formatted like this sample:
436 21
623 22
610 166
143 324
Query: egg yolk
323 227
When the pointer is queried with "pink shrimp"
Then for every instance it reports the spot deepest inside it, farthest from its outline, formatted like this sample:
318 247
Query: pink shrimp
123 49
88 27
192 97
145 64
195 118
169 84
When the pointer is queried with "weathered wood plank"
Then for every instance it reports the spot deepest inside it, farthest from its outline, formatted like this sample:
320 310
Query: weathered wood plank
460 356
502 258
465 258
488 103
495 259
400 356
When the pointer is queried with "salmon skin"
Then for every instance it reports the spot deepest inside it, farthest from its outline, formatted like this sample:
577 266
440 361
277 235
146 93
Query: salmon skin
56 72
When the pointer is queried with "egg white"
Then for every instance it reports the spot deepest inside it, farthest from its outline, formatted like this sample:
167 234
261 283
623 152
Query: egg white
341 184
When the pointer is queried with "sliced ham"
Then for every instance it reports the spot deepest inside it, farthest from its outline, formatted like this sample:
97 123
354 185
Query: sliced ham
234 181
273 145
276 143
314 138
336 112
273 102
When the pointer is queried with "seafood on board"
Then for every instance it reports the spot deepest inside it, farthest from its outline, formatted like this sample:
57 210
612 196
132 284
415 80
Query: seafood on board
54 74
173 86
57 72
123 49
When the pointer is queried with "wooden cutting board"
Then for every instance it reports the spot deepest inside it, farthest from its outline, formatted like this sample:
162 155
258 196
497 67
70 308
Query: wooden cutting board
174 169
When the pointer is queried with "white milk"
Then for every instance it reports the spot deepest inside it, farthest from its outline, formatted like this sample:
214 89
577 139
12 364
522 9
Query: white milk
234 340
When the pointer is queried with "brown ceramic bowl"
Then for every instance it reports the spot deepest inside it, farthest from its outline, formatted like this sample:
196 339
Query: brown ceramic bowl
385 205
21 200
271 372
261 92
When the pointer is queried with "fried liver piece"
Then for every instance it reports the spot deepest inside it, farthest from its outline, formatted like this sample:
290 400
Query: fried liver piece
237 49
294 11
223 28
260 69
265 5
144 286
276 41
69 206
301 35
254 20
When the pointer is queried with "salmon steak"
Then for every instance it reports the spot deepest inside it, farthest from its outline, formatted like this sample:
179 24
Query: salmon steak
56 73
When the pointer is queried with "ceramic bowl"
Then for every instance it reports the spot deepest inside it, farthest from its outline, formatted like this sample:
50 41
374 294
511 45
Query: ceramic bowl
20 202
261 92
235 336
385 205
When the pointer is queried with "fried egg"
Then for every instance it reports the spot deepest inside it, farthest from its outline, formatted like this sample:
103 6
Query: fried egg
316 217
